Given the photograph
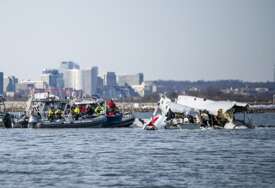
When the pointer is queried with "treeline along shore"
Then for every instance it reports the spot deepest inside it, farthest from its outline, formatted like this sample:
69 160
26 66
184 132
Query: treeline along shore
20 106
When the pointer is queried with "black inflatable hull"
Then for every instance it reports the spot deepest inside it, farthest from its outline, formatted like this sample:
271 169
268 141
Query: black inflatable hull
99 122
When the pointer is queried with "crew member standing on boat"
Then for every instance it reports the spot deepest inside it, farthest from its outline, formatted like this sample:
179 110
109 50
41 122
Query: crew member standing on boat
51 114
222 118
98 110
90 109
58 114
112 108
76 112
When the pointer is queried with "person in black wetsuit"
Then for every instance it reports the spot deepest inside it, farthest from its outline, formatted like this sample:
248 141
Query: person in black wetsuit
170 115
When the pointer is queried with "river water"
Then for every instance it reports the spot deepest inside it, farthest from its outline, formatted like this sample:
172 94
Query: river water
132 157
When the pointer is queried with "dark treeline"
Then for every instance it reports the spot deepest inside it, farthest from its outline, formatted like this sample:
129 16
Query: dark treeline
171 85
213 90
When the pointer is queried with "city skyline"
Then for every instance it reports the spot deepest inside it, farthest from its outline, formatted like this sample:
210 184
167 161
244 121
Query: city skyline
175 40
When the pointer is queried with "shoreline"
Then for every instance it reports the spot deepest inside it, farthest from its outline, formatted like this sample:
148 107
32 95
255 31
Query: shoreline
20 106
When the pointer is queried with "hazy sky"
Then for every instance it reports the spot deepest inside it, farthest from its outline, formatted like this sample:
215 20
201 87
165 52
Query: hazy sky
165 39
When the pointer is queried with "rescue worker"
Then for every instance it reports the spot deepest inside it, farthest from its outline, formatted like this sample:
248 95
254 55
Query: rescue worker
191 118
83 109
170 115
76 112
205 119
98 110
90 109
221 118
58 114
51 114
112 108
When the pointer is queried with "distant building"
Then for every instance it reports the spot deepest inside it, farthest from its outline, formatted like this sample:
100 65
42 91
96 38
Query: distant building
65 65
73 79
100 86
110 92
274 73
26 88
10 83
87 82
136 79
150 87
118 92
144 89
30 84
72 76
1 83
110 79
140 89
53 78
261 90
94 80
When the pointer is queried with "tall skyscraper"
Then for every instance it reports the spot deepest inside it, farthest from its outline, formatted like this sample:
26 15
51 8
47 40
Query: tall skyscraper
110 79
71 75
10 83
73 79
87 82
1 83
94 80
100 86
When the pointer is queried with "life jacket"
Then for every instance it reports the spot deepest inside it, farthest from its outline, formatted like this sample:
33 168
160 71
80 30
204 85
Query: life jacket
98 110
111 104
111 114
83 109
50 112
77 110
58 112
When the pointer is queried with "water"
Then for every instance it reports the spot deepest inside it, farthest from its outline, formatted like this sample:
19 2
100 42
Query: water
132 157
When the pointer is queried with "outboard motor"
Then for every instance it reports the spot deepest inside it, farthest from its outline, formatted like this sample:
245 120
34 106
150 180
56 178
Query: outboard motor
7 121
23 122
33 120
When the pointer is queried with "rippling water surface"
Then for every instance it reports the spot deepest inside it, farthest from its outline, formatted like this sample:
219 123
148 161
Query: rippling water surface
132 157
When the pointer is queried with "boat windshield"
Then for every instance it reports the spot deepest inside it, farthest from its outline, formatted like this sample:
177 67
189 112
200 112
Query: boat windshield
43 106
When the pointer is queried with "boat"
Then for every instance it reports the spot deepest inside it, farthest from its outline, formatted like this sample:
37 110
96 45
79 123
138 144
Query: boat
5 118
40 105
102 121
